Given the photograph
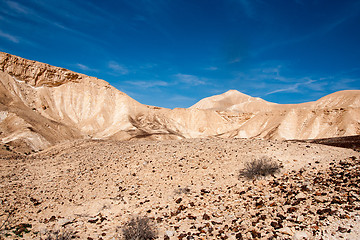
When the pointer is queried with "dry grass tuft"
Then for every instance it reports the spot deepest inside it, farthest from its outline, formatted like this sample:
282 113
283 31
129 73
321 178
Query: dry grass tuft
60 235
261 167
139 228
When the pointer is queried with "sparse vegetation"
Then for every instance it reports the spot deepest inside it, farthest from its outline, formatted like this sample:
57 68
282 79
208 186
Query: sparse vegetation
5 224
60 235
139 228
261 167
185 190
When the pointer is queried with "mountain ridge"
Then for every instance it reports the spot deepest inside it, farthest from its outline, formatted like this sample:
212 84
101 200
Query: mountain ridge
51 105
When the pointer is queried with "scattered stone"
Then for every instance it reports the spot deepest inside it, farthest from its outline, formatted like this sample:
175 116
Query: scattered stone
206 217
286 230
300 235
169 233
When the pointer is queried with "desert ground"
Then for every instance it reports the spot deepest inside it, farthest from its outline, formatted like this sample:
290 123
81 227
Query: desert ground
189 189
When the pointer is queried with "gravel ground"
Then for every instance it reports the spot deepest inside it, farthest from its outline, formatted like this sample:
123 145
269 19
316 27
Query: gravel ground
189 189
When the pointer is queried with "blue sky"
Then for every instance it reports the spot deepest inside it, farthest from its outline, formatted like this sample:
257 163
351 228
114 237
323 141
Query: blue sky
172 53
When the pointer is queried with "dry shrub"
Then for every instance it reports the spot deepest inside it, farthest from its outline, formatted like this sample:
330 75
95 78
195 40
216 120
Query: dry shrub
185 190
261 167
139 228
60 235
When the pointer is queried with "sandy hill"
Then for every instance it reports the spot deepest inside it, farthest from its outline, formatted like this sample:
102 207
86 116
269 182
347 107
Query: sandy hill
43 105
334 115
234 101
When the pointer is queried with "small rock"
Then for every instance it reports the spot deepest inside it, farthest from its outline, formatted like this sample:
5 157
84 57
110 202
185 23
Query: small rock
206 217
276 225
93 219
239 236
35 201
65 221
300 195
342 230
255 234
286 230
300 235
169 233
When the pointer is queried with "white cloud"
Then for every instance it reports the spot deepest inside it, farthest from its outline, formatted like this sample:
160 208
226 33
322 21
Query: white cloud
9 37
148 84
212 68
118 68
17 7
293 87
190 79
338 84
84 67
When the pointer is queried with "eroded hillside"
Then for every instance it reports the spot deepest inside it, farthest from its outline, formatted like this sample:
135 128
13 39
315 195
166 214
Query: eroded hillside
43 105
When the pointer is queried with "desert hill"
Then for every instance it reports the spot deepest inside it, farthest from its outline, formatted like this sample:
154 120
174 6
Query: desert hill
334 115
43 105
234 101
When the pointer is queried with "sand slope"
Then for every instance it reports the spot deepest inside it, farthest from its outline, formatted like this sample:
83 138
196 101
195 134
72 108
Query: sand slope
43 105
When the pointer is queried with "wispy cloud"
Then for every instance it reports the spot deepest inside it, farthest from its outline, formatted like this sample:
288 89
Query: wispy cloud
272 78
54 15
9 37
291 88
148 84
305 37
190 79
118 68
276 77
84 67
148 66
212 68
264 74
343 83
18 7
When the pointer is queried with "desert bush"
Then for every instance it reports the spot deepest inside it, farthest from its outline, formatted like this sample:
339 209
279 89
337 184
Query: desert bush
139 228
60 235
261 167
185 190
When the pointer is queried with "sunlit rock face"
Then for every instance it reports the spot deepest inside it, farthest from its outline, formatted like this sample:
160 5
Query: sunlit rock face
43 105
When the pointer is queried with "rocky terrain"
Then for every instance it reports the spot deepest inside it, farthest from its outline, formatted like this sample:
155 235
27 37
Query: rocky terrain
43 105
189 188
352 142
